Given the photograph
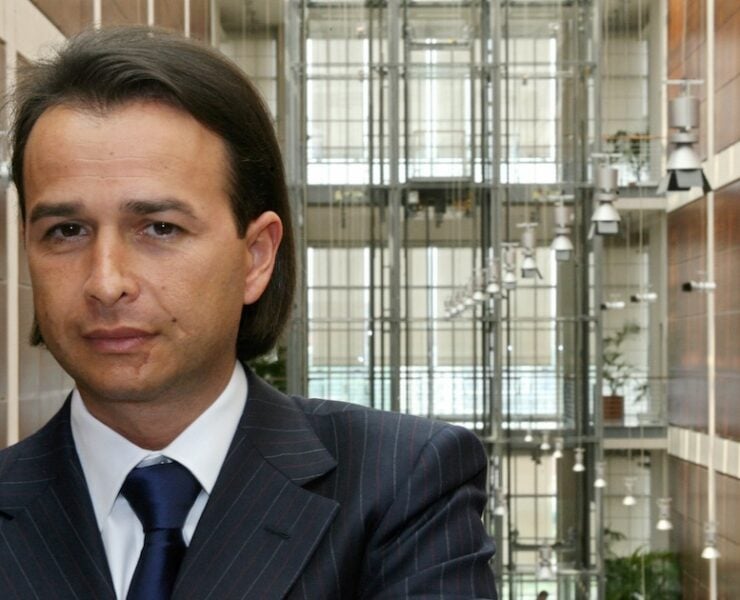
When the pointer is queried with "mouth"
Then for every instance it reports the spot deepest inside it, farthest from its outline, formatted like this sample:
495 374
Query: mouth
120 340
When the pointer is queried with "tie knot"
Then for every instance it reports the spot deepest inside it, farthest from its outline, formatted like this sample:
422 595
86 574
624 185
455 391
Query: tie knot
161 495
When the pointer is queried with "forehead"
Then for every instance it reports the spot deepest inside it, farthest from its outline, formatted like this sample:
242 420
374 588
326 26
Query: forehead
142 139
145 123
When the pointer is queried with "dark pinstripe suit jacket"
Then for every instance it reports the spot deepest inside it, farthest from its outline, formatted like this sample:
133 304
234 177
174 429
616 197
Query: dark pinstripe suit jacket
315 500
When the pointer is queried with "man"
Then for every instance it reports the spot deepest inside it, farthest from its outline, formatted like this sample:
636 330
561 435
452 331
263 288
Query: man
159 243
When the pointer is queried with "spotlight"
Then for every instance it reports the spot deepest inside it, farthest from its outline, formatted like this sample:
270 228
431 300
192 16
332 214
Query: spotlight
647 297
684 167
605 220
613 305
699 286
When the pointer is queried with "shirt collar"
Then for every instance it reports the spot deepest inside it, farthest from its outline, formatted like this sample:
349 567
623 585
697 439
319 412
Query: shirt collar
107 457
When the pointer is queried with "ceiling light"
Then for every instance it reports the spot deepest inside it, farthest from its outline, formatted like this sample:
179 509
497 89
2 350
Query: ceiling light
545 444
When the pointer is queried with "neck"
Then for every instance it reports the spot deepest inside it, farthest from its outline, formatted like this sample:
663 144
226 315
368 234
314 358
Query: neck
152 423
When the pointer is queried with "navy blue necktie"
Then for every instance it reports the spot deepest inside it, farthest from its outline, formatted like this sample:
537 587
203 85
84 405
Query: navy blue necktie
161 496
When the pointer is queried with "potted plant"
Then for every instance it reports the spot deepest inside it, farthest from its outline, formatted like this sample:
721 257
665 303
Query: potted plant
617 372
644 574
634 147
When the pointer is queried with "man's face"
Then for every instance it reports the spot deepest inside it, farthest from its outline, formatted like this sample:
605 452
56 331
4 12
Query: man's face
138 273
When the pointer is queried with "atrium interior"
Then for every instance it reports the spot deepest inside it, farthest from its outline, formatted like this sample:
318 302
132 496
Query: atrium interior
485 237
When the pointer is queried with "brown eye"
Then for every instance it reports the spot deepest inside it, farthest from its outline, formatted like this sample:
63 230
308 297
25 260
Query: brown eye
162 229
64 230
69 229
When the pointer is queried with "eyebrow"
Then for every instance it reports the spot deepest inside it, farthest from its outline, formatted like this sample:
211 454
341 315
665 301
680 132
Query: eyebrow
148 207
57 209
137 207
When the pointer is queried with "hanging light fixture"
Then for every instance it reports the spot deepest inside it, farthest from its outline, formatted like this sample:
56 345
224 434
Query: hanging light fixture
528 437
558 452
605 220
499 502
492 287
599 481
508 279
664 515
468 293
578 466
544 562
545 444
479 293
529 242
684 167
710 551
629 485
561 244
5 176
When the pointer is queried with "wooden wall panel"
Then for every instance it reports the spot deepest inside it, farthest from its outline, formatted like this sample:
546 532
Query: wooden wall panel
688 513
687 59
70 16
169 14
687 385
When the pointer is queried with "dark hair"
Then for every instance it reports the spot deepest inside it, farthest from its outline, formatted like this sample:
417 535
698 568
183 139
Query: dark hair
103 69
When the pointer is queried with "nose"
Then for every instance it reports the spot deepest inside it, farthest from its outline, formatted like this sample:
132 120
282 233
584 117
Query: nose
110 279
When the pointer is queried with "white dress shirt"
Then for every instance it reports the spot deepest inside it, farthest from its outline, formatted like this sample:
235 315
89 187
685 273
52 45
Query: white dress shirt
107 458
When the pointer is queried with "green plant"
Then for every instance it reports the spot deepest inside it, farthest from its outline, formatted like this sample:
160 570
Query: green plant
643 575
633 146
272 368
616 371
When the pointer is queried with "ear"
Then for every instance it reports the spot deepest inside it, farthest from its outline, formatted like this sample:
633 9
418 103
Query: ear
262 241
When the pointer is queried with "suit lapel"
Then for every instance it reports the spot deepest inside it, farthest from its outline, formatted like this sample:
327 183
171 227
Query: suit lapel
49 527
260 526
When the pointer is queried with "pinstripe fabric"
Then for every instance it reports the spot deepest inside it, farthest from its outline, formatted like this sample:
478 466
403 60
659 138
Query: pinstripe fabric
316 500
